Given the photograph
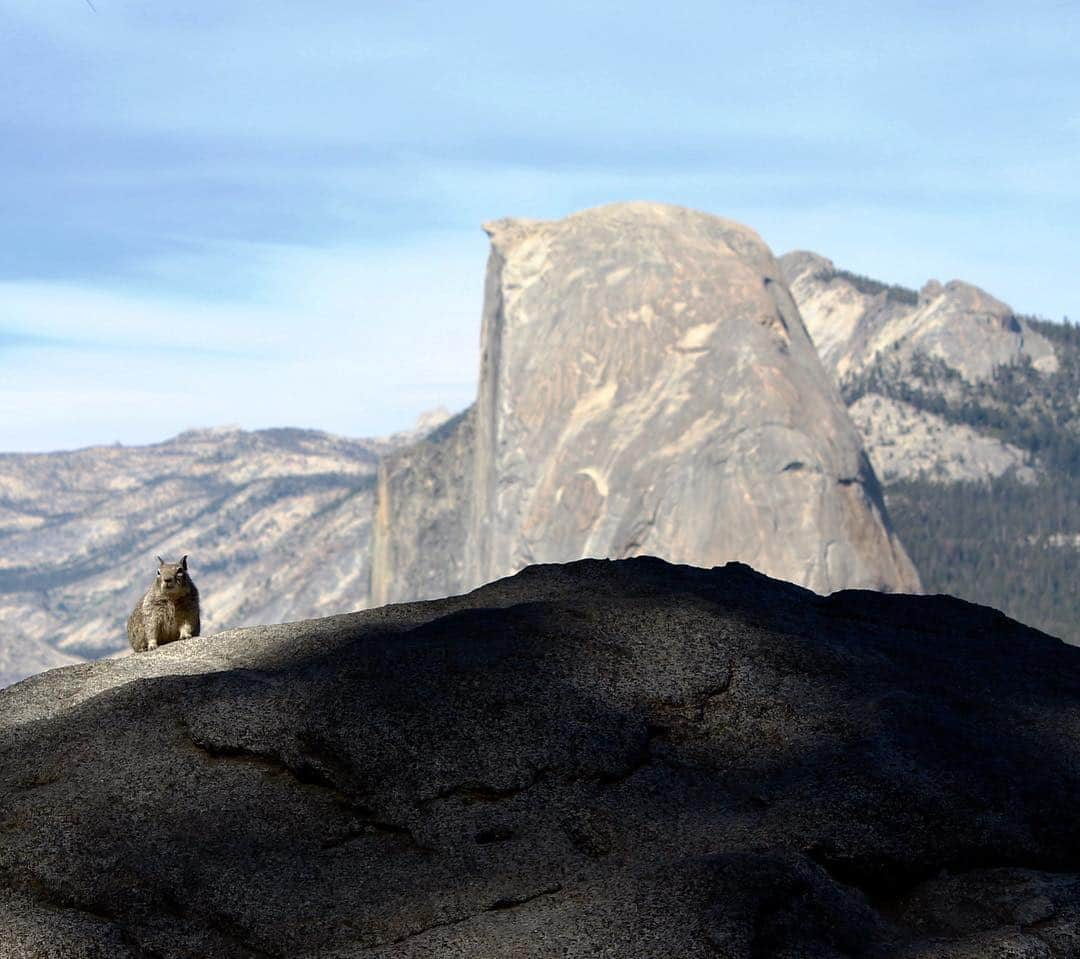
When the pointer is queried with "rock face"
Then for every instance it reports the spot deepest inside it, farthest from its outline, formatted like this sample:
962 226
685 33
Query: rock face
607 758
906 443
856 322
277 524
646 386
422 507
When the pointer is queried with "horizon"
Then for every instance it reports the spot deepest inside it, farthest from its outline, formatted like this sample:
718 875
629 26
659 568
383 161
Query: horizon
292 205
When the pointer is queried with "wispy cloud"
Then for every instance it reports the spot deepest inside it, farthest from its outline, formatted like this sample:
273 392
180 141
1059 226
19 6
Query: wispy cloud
296 194
19 340
351 340
16 339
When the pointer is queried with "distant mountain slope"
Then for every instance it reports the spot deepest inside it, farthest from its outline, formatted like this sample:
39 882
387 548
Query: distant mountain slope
971 416
858 323
1006 543
277 525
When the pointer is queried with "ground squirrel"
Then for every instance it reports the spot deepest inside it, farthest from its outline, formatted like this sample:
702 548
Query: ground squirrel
168 611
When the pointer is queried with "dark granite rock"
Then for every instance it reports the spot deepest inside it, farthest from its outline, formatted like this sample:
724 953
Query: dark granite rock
599 759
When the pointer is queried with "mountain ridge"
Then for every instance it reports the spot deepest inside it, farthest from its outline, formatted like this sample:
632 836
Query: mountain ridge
286 523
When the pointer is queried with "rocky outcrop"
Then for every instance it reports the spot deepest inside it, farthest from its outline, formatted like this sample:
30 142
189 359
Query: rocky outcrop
422 505
906 443
856 322
646 386
607 758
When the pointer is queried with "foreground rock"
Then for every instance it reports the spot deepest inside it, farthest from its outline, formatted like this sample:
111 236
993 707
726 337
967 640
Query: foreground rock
646 387
607 758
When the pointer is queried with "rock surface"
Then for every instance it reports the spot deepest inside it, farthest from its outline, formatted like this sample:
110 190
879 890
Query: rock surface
422 510
855 322
646 386
906 443
601 759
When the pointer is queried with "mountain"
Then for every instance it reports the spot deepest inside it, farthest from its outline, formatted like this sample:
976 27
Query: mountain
605 758
646 386
276 523
857 322
970 413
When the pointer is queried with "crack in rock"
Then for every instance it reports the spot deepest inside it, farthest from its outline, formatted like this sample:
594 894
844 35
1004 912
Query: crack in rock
310 773
366 828
711 694
513 902
499 905
306 773
482 792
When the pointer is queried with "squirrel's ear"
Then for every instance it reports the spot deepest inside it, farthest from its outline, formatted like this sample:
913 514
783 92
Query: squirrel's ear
160 561
183 562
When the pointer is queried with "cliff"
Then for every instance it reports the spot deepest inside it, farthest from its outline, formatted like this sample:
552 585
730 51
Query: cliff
646 386
422 504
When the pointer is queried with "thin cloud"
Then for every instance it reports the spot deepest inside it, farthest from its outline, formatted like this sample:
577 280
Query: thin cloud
353 341
16 339
19 340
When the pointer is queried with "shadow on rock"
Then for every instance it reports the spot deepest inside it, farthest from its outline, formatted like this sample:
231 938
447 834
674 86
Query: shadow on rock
626 756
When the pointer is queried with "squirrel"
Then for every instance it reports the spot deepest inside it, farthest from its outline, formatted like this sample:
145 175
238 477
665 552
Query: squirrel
168 611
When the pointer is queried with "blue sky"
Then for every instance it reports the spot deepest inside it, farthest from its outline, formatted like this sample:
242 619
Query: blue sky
269 213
